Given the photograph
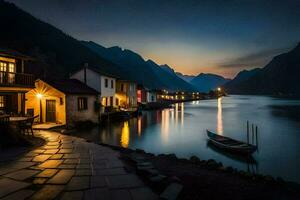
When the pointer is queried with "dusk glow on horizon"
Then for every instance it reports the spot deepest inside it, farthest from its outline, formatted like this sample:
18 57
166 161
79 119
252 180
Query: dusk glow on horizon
221 37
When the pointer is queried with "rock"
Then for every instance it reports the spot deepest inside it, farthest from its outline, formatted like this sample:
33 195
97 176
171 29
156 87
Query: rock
140 151
212 164
172 191
175 179
194 159
144 164
172 156
157 178
269 178
229 169
280 180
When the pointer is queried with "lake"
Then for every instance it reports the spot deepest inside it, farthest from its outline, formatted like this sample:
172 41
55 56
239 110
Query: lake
182 130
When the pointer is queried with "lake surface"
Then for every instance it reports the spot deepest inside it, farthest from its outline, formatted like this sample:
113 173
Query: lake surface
182 131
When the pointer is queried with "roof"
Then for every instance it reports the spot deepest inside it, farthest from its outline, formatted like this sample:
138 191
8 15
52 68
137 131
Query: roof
71 86
97 70
13 54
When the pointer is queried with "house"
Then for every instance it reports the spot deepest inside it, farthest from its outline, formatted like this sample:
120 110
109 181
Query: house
145 95
103 83
63 102
14 81
126 94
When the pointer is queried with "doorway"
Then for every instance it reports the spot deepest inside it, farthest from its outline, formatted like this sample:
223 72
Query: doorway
50 111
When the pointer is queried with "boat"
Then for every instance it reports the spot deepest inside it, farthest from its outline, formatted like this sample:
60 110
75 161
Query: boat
231 145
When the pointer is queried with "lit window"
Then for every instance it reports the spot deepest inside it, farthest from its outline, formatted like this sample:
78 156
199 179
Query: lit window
3 67
11 67
82 103
2 103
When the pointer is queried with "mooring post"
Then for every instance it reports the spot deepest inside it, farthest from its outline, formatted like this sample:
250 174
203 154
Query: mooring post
247 131
252 133
256 137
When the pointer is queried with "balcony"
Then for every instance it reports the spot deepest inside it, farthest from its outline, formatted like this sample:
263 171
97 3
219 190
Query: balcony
10 79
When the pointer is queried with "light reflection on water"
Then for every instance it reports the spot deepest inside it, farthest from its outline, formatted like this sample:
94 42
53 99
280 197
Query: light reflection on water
182 130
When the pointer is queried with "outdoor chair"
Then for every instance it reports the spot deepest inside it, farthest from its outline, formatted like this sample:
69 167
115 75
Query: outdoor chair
26 125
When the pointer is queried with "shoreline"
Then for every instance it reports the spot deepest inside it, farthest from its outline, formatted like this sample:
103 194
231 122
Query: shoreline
187 171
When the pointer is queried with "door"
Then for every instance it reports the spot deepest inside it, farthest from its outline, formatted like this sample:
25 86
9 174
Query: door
50 111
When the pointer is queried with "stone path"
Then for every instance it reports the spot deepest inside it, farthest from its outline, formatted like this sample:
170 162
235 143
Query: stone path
70 168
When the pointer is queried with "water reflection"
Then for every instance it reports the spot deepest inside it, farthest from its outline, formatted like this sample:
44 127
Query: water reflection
219 117
165 122
125 135
139 126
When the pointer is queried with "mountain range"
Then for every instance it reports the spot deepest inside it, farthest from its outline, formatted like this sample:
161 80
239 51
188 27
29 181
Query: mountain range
279 77
58 54
134 67
206 82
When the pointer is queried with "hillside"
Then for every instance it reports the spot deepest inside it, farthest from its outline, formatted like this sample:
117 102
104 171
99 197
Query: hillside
136 68
56 53
240 77
279 77
187 78
206 82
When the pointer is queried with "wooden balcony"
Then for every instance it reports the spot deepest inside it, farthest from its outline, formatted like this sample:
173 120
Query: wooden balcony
9 79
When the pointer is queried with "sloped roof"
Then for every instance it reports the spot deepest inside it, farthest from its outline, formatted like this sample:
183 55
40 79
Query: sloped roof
14 54
71 86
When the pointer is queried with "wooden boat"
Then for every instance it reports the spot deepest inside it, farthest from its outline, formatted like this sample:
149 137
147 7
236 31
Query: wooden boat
231 145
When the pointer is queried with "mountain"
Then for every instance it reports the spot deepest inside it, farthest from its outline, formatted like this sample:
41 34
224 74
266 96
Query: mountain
56 53
148 73
187 78
279 77
240 77
206 82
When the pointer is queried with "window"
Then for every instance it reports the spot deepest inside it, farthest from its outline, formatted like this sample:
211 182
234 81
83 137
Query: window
82 103
11 67
2 102
61 101
3 67
112 83
106 83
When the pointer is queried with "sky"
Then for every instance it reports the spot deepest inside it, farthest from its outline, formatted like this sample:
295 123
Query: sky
209 36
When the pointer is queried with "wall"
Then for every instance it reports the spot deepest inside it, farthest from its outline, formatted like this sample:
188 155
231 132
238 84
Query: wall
73 114
151 97
93 79
48 93
108 91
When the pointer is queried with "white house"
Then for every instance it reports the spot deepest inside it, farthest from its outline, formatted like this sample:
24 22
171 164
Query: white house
103 83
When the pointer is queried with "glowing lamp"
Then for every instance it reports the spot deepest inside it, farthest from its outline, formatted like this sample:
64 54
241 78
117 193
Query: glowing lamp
39 95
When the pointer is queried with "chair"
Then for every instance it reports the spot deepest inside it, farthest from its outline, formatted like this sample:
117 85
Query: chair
26 125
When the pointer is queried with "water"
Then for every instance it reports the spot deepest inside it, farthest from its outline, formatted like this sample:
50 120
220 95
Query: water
182 130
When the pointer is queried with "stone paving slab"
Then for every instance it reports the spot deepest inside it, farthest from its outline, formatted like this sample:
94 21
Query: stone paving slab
124 181
8 186
70 168
62 177
20 195
48 192
75 195
22 174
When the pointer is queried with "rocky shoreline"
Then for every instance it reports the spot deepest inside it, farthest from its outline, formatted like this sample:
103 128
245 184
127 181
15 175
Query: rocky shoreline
194 178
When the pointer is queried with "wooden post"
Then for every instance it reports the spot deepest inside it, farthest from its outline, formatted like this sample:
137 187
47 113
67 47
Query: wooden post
256 136
248 132
252 133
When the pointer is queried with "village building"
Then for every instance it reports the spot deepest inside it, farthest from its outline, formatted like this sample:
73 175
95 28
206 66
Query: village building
126 95
14 82
103 83
145 95
63 102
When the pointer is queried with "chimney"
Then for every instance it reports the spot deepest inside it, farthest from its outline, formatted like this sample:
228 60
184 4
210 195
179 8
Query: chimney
86 65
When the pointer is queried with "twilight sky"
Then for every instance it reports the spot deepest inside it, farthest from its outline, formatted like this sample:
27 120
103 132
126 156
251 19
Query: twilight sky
216 36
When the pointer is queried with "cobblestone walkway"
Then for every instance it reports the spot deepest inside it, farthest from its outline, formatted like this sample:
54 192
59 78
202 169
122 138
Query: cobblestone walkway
70 168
